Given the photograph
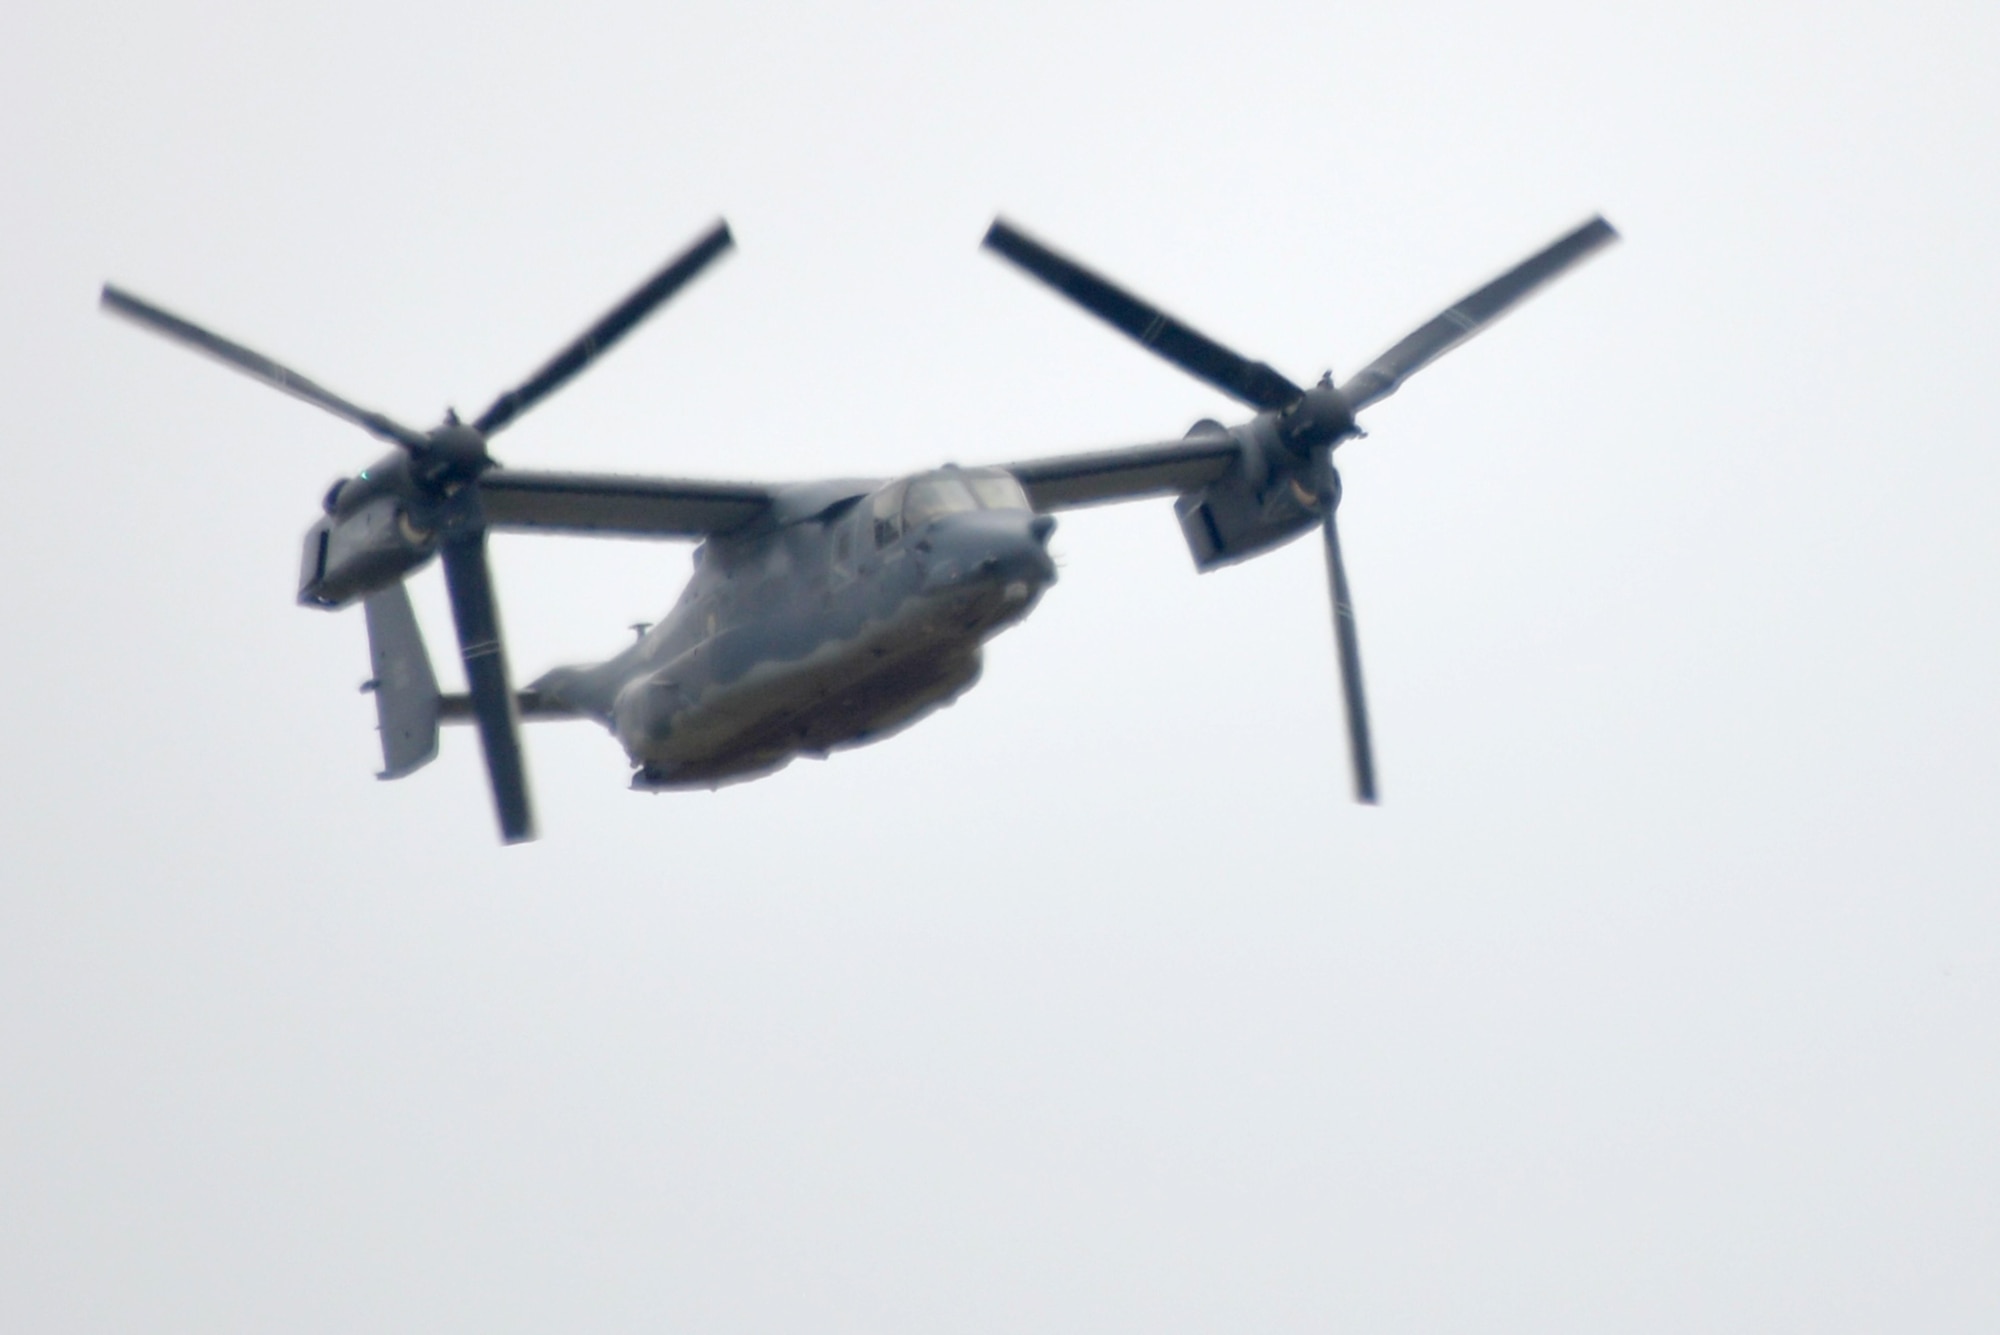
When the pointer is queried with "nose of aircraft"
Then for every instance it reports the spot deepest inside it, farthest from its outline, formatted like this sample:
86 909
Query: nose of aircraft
989 546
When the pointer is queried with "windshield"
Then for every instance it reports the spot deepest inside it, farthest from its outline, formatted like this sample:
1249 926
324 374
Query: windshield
997 491
953 493
932 497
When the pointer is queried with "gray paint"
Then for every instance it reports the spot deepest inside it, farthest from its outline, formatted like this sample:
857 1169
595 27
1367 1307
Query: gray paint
404 685
822 614
801 635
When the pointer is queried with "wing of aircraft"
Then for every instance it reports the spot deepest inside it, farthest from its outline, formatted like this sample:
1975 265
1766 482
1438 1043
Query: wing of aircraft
1129 474
608 504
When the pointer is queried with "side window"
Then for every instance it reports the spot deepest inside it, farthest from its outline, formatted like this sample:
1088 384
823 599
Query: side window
887 509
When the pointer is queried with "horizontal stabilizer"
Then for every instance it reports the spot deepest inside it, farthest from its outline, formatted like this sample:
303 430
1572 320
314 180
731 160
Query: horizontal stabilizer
405 687
533 706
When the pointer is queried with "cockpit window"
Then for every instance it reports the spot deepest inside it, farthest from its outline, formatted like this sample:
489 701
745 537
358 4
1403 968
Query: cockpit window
997 491
957 491
885 510
932 497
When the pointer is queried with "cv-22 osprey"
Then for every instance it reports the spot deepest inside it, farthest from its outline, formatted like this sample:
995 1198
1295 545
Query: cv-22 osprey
820 614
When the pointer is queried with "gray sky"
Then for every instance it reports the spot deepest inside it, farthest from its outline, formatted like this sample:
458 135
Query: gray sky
1661 994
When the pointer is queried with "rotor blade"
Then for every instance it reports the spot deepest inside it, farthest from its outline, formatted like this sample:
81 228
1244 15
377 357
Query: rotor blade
1250 382
161 322
470 582
1360 748
1381 377
599 338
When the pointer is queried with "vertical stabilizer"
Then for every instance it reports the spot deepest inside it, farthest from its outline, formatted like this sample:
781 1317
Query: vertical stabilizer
405 687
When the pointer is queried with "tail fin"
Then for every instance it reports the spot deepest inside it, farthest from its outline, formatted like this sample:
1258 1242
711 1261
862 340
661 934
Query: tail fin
405 687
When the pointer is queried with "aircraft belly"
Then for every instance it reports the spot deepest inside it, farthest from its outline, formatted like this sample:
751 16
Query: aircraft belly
844 691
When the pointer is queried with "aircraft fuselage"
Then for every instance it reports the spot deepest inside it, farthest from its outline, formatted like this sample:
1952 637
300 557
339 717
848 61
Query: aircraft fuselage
818 630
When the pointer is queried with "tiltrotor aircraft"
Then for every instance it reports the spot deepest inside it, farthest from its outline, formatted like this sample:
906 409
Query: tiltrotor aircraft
820 614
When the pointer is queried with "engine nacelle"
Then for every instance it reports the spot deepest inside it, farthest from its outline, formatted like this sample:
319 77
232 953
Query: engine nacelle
1268 499
368 547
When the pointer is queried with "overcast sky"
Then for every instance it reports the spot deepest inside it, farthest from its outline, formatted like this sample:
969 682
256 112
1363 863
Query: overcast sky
1662 993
